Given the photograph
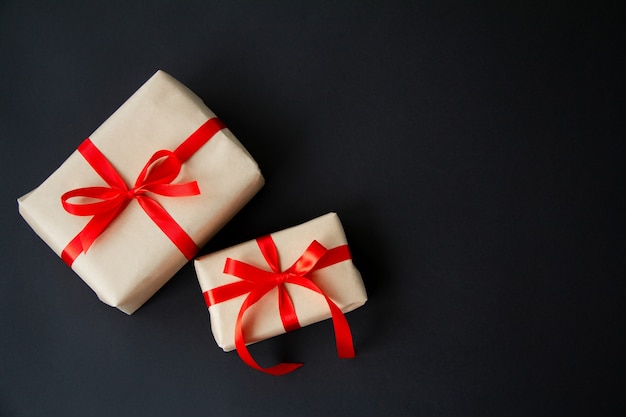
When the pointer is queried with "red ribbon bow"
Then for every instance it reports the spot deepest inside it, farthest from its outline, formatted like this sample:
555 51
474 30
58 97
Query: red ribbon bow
257 283
155 178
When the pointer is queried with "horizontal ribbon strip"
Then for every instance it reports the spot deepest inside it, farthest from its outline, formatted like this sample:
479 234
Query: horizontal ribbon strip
155 178
257 283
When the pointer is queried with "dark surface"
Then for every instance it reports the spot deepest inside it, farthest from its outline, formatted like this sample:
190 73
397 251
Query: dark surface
472 151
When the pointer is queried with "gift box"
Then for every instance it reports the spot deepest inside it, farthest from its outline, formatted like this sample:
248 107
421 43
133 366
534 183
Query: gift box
138 198
280 282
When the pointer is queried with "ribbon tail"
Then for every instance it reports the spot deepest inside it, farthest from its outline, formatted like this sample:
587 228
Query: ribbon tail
83 240
240 344
343 334
97 225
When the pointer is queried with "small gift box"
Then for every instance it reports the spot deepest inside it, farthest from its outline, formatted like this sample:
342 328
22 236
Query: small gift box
138 198
280 282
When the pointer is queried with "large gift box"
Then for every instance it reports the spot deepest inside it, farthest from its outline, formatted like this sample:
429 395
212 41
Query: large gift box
138 198
280 282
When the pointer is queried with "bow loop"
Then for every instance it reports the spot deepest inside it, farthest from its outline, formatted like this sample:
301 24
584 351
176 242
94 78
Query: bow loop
308 260
158 173
106 199
269 252
162 168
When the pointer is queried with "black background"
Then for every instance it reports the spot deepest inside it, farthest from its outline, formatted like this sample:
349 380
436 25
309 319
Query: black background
472 150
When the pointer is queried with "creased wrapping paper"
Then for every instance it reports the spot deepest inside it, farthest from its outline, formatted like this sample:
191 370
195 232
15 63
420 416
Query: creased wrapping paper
133 258
341 282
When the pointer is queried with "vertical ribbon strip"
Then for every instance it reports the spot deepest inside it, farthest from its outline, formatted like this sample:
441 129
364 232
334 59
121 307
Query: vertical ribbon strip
155 178
257 282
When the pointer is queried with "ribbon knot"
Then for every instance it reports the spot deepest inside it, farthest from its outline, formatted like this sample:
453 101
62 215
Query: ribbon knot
156 177
283 277
257 282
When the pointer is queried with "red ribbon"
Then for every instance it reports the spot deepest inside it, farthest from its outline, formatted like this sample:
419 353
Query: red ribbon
257 283
155 178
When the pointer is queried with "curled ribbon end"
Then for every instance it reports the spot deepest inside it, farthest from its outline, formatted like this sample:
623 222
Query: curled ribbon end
282 368
347 354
